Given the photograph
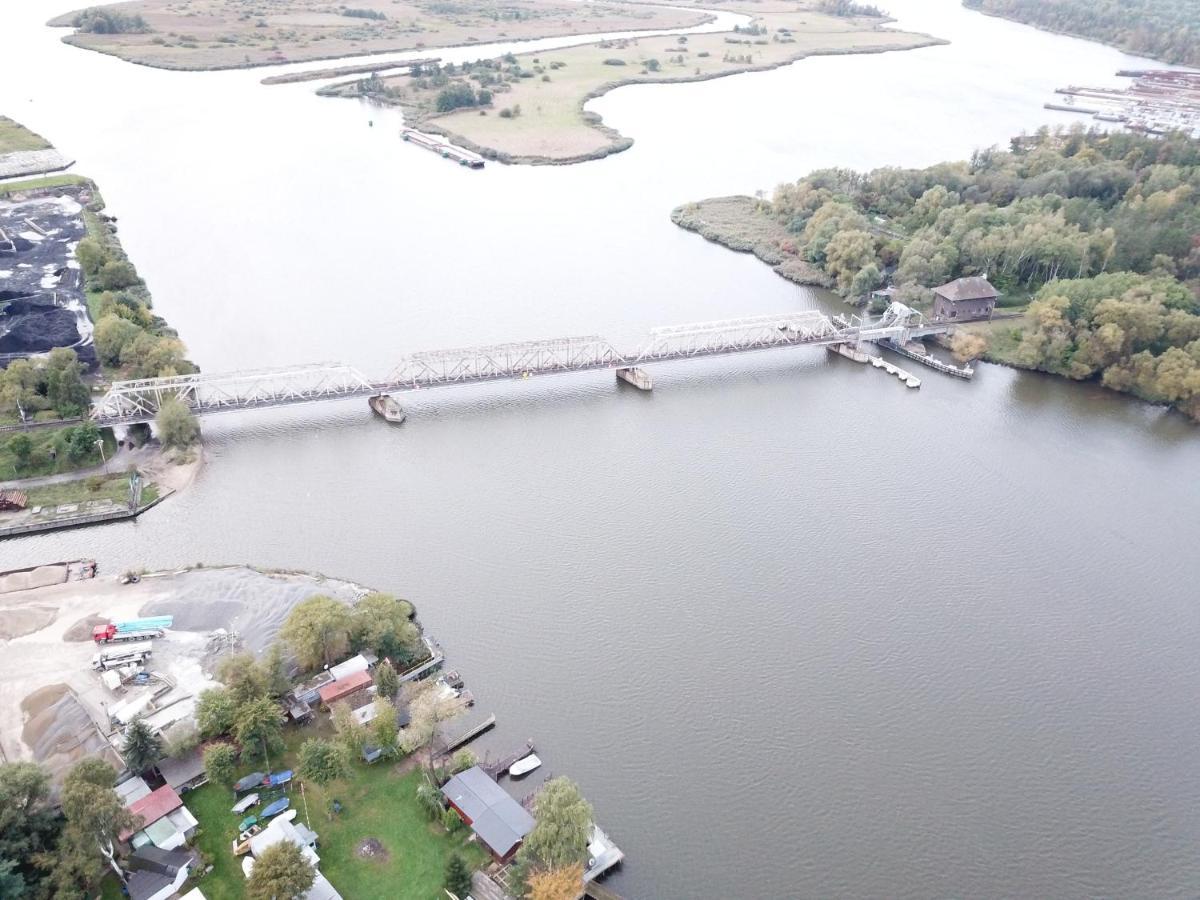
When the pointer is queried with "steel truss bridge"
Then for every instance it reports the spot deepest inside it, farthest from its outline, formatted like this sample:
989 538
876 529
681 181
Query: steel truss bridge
138 401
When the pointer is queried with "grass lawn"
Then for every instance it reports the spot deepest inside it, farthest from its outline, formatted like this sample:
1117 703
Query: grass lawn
1003 337
15 137
377 802
113 487
40 463
10 187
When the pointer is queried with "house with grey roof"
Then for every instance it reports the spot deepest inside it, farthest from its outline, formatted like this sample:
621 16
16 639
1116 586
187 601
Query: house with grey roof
964 299
500 821
157 874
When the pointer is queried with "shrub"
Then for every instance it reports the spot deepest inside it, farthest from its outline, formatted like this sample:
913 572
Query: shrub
614 61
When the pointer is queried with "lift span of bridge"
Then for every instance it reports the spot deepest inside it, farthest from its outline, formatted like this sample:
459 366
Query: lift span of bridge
138 401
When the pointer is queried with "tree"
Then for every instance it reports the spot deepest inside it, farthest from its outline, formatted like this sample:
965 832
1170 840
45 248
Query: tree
116 274
317 630
180 739
91 255
142 747
429 798
21 447
220 761
280 872
81 441
95 814
29 829
458 876
428 708
257 727
323 761
244 677
556 884
463 760
563 821
387 682
65 389
385 728
967 345
349 732
112 335
215 712
176 425
275 667
383 623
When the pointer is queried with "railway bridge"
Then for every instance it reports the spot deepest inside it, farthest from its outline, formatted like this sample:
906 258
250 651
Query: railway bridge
138 401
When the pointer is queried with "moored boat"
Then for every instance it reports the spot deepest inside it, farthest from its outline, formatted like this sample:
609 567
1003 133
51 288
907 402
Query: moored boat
386 407
524 766
276 808
253 780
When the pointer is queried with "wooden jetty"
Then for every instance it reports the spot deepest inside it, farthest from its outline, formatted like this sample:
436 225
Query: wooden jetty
505 763
471 733
931 361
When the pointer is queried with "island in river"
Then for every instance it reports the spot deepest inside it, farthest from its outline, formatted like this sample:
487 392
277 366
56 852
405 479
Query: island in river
529 107
227 34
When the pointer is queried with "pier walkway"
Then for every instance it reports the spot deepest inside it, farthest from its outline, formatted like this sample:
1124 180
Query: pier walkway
138 401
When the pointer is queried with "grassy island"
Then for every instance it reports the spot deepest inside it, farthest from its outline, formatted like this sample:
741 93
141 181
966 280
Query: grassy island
529 107
228 34
1093 235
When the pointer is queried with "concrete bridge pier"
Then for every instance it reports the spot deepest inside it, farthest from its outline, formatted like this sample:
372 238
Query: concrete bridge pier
639 378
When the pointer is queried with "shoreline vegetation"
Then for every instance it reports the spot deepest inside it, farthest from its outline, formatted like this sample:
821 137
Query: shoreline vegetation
529 108
1090 235
127 339
1166 30
208 35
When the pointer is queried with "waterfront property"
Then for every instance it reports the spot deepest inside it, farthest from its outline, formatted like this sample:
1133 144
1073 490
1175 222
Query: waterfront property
964 299
499 821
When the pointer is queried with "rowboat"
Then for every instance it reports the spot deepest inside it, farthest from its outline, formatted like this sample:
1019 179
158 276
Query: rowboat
524 766
248 866
289 816
245 803
275 779
276 808
251 781
247 822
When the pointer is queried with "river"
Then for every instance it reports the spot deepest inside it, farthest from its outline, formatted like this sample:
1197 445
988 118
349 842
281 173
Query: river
797 631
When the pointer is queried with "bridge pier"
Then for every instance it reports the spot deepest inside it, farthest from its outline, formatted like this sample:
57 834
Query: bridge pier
639 378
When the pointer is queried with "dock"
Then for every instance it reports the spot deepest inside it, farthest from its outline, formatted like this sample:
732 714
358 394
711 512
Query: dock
441 148
495 770
931 361
471 733
907 377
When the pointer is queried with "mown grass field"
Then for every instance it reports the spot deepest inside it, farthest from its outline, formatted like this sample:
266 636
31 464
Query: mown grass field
378 801
40 463
15 137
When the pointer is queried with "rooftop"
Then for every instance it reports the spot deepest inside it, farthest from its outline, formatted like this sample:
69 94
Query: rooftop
344 687
179 772
972 288
499 820
152 807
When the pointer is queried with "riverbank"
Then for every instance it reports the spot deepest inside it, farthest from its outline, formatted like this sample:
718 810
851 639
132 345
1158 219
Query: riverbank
745 225
206 35
24 153
530 108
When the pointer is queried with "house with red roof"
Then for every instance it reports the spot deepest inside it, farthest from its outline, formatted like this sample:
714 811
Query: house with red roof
345 687
160 818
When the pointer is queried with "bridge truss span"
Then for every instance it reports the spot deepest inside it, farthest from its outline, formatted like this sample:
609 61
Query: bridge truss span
471 365
738 336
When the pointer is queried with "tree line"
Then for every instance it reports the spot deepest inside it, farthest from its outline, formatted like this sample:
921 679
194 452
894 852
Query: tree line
1164 29
1102 229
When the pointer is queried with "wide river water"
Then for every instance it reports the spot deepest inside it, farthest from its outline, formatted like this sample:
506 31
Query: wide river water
797 631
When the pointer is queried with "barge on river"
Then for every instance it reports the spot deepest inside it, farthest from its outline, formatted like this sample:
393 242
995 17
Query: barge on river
441 148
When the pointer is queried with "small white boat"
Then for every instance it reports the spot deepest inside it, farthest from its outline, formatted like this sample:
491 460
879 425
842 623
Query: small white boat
285 817
248 866
524 766
245 803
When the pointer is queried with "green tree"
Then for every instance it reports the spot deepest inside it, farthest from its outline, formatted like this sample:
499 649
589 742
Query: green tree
383 623
215 712
116 274
562 826
387 682
458 876
258 728
21 447
81 441
91 255
429 798
349 732
95 814
323 761
385 728
280 873
244 677
176 425
65 389
142 747
112 335
318 631
29 829
220 762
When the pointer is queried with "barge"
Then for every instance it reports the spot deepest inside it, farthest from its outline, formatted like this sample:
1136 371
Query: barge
441 148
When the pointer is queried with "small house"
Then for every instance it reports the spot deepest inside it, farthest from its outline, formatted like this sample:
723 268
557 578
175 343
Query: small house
185 773
344 687
964 299
499 821
162 820
158 874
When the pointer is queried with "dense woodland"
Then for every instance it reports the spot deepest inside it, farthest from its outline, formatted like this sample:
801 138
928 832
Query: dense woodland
1102 230
1164 29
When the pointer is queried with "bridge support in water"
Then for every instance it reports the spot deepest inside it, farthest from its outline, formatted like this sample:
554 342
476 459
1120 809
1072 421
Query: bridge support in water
639 378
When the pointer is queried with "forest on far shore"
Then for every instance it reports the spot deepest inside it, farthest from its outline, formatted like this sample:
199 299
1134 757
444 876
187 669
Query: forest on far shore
1163 29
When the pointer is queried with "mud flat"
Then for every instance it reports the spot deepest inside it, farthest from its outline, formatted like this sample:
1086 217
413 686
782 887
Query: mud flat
52 704
536 115
228 34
